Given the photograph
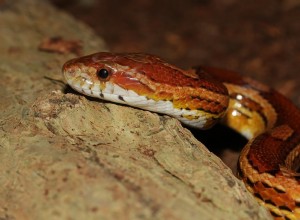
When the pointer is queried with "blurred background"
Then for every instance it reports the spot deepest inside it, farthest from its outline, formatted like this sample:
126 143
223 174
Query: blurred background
258 38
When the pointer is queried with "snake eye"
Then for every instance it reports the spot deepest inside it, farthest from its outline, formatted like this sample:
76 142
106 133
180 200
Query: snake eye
103 73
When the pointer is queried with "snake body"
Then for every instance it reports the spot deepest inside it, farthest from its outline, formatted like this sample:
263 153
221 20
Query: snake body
200 97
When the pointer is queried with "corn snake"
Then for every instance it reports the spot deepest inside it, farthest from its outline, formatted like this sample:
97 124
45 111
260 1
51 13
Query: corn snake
200 97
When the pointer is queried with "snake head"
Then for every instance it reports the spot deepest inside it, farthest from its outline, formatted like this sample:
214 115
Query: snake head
104 75
148 82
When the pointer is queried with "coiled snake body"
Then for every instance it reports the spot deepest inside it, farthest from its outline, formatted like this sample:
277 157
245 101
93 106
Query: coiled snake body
269 162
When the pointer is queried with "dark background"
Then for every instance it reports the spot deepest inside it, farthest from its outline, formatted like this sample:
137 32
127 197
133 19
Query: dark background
258 38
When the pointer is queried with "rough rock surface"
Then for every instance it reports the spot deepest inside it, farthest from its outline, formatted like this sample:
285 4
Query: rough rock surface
65 156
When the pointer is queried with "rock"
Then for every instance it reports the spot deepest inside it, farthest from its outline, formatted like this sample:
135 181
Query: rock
65 156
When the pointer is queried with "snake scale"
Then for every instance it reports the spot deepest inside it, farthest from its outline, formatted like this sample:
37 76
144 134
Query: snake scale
200 97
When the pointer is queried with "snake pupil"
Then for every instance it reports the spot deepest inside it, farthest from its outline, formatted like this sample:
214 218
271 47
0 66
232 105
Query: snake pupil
103 73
